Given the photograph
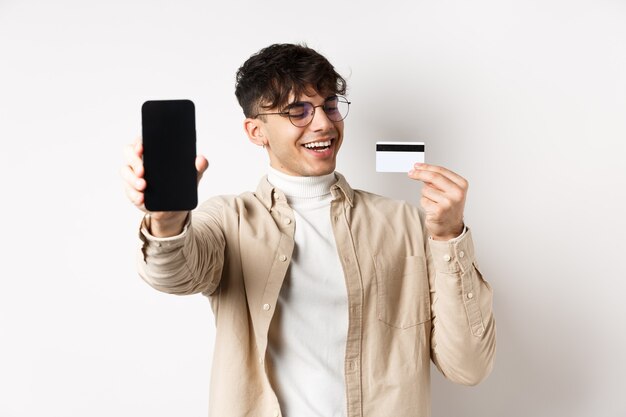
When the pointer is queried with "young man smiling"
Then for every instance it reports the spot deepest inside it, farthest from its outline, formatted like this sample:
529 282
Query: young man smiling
328 301
296 148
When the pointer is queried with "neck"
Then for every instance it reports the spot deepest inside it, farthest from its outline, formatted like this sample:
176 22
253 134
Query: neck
302 188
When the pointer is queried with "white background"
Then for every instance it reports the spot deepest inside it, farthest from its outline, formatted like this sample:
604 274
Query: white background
526 99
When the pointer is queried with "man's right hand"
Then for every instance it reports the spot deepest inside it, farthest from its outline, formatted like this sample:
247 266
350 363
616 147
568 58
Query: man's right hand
162 223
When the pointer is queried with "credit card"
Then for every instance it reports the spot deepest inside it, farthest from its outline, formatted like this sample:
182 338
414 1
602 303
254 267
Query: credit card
398 156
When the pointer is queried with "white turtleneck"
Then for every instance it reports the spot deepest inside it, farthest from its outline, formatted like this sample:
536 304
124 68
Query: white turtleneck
307 338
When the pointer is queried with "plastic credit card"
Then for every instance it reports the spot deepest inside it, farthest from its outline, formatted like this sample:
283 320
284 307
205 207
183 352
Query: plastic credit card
398 156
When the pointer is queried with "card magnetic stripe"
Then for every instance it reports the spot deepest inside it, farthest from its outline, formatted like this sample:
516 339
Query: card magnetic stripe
399 148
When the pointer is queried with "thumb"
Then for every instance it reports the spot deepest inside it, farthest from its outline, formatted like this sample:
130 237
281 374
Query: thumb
201 165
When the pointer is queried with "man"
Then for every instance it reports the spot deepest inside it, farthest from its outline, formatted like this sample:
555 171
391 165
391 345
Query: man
328 301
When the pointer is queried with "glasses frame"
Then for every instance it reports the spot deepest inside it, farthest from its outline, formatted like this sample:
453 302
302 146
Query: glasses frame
284 113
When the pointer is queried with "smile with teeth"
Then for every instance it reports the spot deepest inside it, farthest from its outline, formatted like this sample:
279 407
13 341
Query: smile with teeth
318 146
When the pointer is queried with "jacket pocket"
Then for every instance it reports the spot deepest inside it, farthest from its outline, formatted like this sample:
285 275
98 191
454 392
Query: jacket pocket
403 298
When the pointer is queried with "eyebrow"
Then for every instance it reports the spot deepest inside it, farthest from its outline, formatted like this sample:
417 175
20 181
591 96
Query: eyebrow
294 104
301 102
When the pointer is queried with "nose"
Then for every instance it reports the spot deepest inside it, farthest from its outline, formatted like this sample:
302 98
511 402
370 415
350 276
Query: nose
320 120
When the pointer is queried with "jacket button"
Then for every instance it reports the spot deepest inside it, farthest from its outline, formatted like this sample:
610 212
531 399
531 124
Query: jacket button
283 258
446 258
287 221
266 307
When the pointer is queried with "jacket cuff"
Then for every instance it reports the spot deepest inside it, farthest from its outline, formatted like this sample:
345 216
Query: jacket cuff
453 256
161 244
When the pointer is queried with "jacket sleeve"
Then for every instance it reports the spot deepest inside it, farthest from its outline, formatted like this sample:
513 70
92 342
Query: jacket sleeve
189 263
463 338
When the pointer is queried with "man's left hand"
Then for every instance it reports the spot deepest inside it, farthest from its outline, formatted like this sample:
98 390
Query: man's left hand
443 200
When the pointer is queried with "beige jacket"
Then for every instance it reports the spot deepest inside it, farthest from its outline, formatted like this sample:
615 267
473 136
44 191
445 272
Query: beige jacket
411 299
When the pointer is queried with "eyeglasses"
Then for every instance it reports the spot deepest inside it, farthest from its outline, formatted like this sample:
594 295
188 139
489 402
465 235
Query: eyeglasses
301 113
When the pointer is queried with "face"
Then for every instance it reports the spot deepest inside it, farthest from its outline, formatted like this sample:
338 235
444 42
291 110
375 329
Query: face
299 151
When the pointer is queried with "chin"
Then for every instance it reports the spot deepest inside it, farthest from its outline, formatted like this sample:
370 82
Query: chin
317 172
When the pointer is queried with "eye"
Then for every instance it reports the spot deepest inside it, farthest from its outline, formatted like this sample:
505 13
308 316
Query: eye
299 110
330 105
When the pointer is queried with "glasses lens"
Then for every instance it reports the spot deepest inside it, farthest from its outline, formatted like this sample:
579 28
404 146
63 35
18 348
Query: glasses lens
301 114
336 108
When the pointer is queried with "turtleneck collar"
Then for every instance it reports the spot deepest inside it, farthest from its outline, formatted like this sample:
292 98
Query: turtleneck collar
302 188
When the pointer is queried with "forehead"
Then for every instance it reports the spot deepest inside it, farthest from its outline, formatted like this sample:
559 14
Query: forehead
309 96
307 93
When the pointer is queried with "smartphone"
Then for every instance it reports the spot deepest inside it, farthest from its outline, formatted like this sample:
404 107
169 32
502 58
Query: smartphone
169 154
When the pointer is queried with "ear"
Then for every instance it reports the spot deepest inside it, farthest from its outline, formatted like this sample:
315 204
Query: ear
254 130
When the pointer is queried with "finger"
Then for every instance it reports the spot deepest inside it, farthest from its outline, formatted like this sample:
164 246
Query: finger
138 147
137 198
434 179
201 165
434 195
134 150
132 157
429 206
132 180
452 176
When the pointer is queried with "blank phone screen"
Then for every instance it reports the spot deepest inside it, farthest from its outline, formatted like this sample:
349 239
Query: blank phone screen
169 153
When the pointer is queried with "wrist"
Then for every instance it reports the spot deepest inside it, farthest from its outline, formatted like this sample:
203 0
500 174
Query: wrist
443 238
449 235
166 224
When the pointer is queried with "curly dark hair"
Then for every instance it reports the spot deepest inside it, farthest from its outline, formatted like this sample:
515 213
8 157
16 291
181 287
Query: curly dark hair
268 77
